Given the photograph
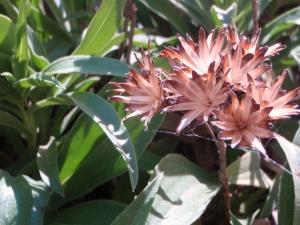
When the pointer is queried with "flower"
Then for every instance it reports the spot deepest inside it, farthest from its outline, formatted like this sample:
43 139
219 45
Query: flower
197 57
271 95
244 123
147 96
196 95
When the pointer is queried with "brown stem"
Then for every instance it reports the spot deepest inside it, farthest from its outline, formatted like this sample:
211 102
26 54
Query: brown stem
222 172
131 34
255 15
127 13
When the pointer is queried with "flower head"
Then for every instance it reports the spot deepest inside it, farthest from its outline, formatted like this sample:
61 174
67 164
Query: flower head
243 122
197 56
146 93
271 95
196 96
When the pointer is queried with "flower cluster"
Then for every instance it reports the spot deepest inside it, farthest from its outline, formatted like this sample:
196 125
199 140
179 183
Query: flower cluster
217 80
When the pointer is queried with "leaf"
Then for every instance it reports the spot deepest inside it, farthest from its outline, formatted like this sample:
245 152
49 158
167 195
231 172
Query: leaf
271 201
38 80
107 118
138 211
87 65
20 58
246 171
90 213
47 165
292 153
104 25
7 34
164 9
291 16
248 221
22 200
86 145
11 121
223 17
184 193
286 199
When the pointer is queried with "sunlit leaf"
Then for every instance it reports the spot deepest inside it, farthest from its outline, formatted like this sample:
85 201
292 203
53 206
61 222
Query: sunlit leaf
102 28
39 80
184 193
20 58
87 65
138 211
246 171
22 200
47 165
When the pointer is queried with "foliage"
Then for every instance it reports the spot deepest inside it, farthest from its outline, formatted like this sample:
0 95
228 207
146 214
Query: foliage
66 156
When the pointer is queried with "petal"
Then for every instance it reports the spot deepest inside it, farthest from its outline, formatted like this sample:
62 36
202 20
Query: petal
225 125
260 132
253 141
260 115
236 138
280 102
186 119
226 134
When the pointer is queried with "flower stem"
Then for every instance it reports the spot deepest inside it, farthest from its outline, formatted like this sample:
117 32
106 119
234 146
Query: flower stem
222 172
255 15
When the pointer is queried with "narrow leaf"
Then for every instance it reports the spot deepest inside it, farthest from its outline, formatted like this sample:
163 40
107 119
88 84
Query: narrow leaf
184 193
7 119
138 211
102 28
7 34
22 200
246 171
107 118
91 213
87 65
292 153
47 165
39 80
164 9
20 59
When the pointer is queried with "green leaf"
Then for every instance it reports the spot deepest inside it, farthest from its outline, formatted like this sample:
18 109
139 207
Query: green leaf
46 24
164 9
7 34
107 118
38 80
138 211
223 17
7 119
246 171
184 193
286 199
22 200
9 77
292 153
47 165
102 28
20 58
86 145
90 213
87 65
238 221
292 16
271 201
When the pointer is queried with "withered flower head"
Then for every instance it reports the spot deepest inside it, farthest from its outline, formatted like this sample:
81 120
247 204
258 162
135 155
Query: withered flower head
243 122
146 94
197 96
197 56
271 95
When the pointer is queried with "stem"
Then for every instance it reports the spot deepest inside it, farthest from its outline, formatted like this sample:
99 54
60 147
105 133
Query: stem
222 172
255 15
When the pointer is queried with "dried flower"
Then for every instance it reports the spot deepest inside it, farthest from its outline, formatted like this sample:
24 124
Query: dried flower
196 95
147 96
195 56
271 95
243 122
